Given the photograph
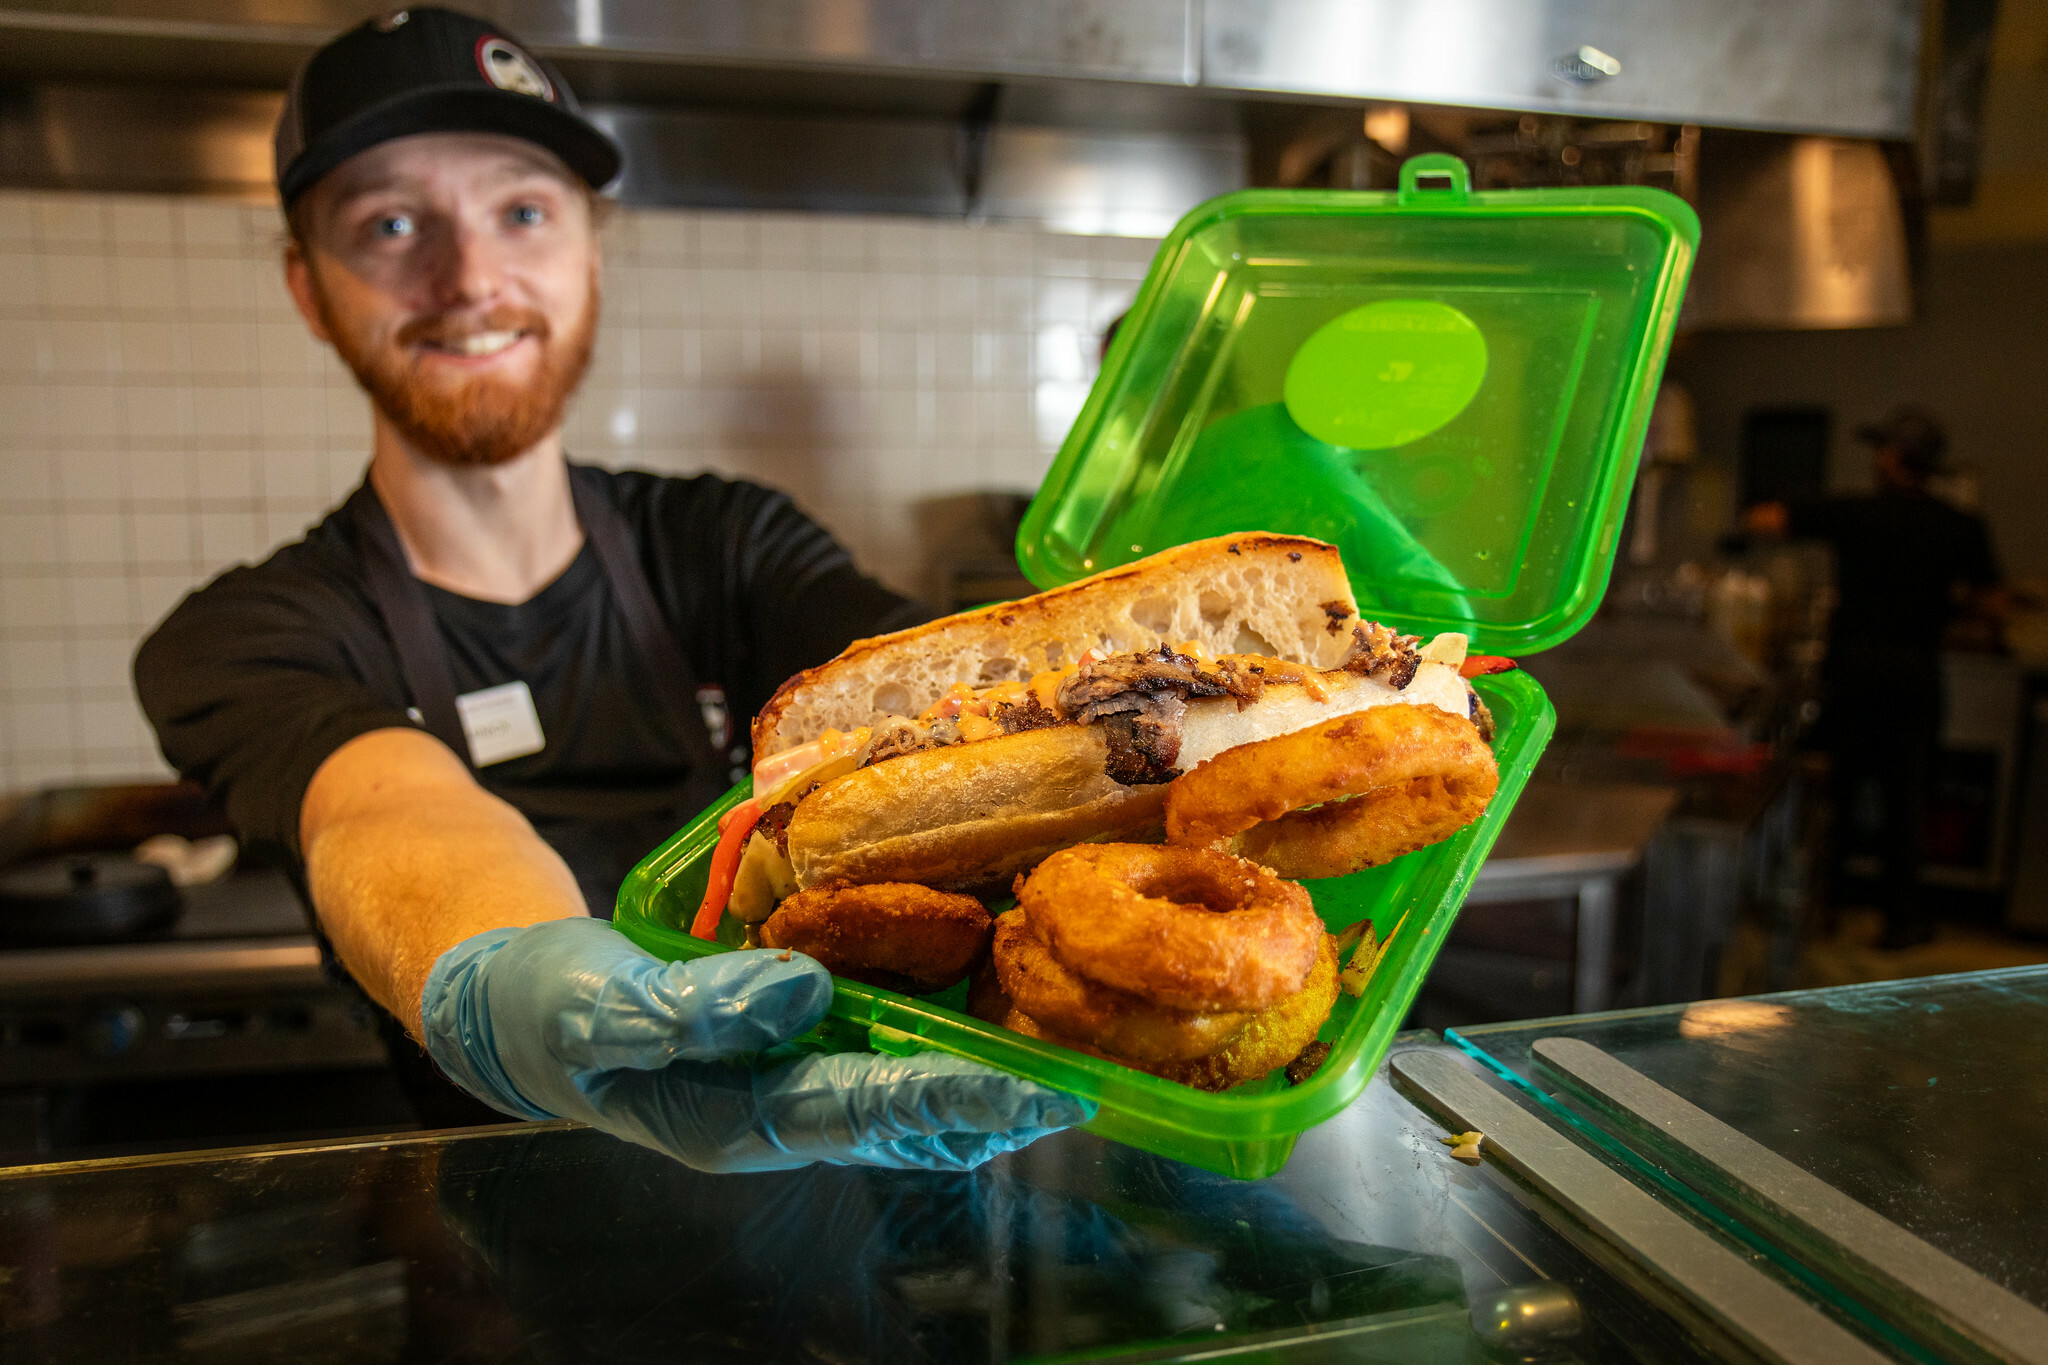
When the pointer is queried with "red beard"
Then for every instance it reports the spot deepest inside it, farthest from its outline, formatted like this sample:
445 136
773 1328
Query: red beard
481 421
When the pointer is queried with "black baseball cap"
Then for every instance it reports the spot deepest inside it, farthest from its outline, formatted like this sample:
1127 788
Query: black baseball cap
429 70
1911 432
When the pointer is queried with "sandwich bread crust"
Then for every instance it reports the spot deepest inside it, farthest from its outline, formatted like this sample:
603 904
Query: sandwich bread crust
1255 593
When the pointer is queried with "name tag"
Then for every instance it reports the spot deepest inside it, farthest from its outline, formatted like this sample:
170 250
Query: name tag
501 724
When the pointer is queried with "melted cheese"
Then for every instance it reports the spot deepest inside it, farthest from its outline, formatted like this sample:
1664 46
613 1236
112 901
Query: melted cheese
793 769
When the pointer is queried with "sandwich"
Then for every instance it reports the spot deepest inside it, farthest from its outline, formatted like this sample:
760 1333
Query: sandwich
955 755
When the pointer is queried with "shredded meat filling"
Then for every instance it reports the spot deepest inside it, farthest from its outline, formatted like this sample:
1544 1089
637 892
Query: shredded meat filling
1142 699
1142 748
774 822
1481 717
1121 682
1380 652
897 736
1028 714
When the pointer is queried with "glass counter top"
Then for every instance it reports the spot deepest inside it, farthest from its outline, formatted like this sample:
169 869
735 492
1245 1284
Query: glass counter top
1925 1101
551 1242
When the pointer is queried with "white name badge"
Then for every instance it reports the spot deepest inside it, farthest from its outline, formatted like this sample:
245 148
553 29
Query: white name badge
501 724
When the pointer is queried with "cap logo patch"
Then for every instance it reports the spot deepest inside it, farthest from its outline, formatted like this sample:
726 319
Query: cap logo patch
506 67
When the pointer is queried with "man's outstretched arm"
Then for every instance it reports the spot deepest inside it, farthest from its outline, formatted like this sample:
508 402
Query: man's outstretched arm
406 856
451 911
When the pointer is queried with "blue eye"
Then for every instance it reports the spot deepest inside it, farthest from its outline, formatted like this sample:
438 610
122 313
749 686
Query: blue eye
528 215
394 225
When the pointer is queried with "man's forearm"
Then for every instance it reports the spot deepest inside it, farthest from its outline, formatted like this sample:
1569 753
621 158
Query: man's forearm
406 856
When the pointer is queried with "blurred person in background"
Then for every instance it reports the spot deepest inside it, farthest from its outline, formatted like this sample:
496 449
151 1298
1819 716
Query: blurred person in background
1908 566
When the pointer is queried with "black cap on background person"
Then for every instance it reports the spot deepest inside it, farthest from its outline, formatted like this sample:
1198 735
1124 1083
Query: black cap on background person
429 70
1913 434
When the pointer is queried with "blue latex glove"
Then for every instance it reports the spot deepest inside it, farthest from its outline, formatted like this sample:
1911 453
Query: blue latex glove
568 1019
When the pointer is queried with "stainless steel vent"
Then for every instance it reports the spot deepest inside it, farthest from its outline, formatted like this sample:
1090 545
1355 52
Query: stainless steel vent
1798 233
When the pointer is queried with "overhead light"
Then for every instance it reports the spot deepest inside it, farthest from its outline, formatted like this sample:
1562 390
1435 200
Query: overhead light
1387 124
1586 65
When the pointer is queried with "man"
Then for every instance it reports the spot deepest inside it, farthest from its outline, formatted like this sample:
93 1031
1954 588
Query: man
466 703
1906 563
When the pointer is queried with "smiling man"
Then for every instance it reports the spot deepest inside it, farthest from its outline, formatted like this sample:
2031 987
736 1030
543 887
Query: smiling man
475 694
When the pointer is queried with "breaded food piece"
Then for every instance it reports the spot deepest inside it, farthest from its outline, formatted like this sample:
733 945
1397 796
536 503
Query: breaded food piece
899 936
1121 1025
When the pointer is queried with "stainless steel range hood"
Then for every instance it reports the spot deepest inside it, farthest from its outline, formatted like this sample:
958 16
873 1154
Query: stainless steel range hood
1096 115
1106 116
1844 67
1798 233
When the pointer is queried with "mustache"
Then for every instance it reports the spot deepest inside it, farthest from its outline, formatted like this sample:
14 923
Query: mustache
439 329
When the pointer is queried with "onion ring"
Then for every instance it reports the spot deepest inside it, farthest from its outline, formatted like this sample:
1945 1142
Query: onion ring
1365 831
1121 1025
1273 1037
1187 928
895 935
1413 775
985 997
1017 1021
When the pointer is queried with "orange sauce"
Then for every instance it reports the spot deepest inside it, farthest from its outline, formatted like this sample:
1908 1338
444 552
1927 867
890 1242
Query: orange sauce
948 706
1003 694
1046 686
1280 671
776 769
973 727
962 701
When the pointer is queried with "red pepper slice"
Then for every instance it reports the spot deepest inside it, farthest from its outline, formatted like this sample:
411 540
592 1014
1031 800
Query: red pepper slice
1477 665
733 829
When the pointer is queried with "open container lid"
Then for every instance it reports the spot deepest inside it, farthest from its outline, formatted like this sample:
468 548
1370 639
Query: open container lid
1451 386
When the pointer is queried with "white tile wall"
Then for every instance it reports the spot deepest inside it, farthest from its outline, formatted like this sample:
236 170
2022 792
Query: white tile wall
164 415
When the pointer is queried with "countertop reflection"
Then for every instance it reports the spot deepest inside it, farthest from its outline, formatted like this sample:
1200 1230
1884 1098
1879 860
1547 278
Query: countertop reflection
555 1243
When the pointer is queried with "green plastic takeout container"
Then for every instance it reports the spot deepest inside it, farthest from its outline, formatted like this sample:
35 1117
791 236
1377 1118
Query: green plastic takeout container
1452 387
1245 1132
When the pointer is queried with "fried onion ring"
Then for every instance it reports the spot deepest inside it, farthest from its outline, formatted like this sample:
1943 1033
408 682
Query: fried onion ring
1273 1038
1017 1021
985 997
1122 1025
895 935
1382 782
1186 928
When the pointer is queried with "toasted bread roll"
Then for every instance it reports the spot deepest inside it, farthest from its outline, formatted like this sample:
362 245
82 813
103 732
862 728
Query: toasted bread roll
971 815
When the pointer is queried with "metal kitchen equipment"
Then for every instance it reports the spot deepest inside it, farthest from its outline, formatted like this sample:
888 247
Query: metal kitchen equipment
232 986
1090 116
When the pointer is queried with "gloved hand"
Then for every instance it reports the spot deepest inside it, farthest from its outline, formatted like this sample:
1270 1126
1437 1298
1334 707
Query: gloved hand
568 1019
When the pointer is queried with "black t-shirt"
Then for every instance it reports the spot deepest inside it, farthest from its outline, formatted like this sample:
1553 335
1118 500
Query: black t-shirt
256 678
1899 558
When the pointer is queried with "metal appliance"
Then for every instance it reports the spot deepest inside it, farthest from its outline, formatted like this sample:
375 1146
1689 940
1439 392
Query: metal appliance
217 1008
1089 116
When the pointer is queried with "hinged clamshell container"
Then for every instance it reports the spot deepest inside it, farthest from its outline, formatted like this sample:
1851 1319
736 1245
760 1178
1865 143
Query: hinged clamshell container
1451 386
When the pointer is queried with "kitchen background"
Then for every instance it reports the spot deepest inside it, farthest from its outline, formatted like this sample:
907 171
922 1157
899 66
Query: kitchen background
167 415
868 256
164 415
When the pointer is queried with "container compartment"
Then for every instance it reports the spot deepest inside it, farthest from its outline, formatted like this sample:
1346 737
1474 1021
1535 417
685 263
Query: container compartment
1245 1132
